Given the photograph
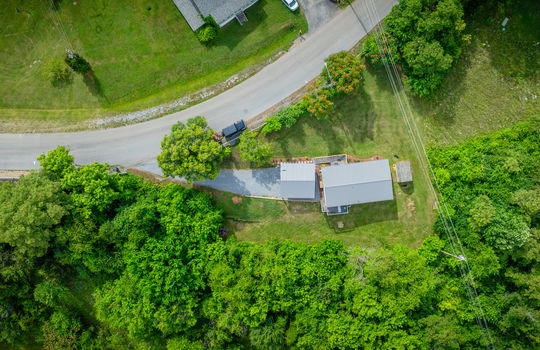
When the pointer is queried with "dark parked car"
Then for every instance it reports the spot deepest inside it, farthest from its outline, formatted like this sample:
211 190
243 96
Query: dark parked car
232 132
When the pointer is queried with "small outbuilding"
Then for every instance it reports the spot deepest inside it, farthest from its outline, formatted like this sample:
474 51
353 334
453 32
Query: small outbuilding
348 184
298 181
403 173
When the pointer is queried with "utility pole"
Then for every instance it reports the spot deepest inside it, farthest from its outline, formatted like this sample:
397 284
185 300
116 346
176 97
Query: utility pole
329 77
459 257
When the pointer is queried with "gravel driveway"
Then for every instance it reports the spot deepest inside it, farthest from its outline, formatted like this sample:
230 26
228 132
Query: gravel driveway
318 12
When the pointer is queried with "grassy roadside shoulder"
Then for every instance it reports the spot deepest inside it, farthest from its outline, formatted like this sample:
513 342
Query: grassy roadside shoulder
143 54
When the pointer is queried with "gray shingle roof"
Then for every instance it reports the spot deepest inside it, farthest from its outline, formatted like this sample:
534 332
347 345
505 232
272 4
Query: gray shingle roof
403 171
297 180
190 13
222 11
356 183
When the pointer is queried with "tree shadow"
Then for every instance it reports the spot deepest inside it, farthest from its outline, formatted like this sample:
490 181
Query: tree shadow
381 77
233 33
93 84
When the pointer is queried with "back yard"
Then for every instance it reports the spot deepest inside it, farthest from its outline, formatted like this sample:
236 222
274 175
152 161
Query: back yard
143 53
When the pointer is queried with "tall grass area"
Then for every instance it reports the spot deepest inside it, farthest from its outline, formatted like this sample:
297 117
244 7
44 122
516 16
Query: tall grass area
143 53
495 83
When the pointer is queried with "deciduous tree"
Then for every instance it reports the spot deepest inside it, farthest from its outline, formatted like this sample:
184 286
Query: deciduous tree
190 151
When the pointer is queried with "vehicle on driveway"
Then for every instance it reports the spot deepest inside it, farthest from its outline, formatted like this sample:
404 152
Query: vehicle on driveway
233 132
291 4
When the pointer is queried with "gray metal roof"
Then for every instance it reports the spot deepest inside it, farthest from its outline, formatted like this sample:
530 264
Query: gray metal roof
403 171
190 13
356 183
297 180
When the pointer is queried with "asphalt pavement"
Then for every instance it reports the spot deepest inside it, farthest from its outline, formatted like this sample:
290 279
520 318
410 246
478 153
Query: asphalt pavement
138 145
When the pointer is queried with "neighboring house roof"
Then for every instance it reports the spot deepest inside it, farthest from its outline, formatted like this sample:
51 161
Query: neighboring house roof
357 183
222 11
403 172
190 12
297 180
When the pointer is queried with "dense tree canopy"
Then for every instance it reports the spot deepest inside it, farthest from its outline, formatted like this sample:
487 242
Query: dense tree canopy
190 151
144 266
424 36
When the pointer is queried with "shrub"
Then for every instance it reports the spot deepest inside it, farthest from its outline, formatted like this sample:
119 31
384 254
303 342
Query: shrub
289 115
271 124
56 72
318 104
77 63
206 33
253 150
346 71
371 51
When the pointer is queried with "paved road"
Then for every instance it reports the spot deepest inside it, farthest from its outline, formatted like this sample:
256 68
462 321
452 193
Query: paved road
138 145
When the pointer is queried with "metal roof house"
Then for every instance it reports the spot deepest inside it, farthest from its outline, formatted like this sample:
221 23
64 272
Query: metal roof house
403 172
298 180
222 11
356 183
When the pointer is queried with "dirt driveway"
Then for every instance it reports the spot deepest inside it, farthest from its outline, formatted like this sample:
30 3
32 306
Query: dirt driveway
318 12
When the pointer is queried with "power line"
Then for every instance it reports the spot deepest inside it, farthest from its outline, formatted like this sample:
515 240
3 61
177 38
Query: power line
451 234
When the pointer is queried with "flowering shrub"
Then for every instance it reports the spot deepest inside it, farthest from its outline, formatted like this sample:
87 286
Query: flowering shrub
371 51
346 72
319 104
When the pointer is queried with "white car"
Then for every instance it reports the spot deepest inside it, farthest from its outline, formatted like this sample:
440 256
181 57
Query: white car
291 4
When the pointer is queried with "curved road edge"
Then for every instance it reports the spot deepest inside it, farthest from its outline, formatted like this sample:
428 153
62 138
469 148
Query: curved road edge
138 145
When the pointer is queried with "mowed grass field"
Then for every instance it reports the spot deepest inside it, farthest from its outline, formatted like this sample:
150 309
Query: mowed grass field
142 52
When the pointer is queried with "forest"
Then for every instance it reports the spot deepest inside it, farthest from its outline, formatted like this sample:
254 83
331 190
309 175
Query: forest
98 260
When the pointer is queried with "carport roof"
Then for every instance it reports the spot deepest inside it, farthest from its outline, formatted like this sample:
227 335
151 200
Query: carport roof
297 180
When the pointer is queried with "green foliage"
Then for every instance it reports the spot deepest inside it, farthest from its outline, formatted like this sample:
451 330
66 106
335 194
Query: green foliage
165 275
255 151
56 163
289 115
481 212
93 191
50 293
190 151
77 63
318 104
206 34
346 72
56 71
428 37
486 178
61 332
370 49
272 123
30 211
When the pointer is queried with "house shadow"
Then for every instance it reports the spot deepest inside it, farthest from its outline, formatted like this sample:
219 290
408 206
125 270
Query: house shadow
233 33
362 215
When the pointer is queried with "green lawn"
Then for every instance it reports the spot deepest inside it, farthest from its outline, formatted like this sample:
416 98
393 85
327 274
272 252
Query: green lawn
143 53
